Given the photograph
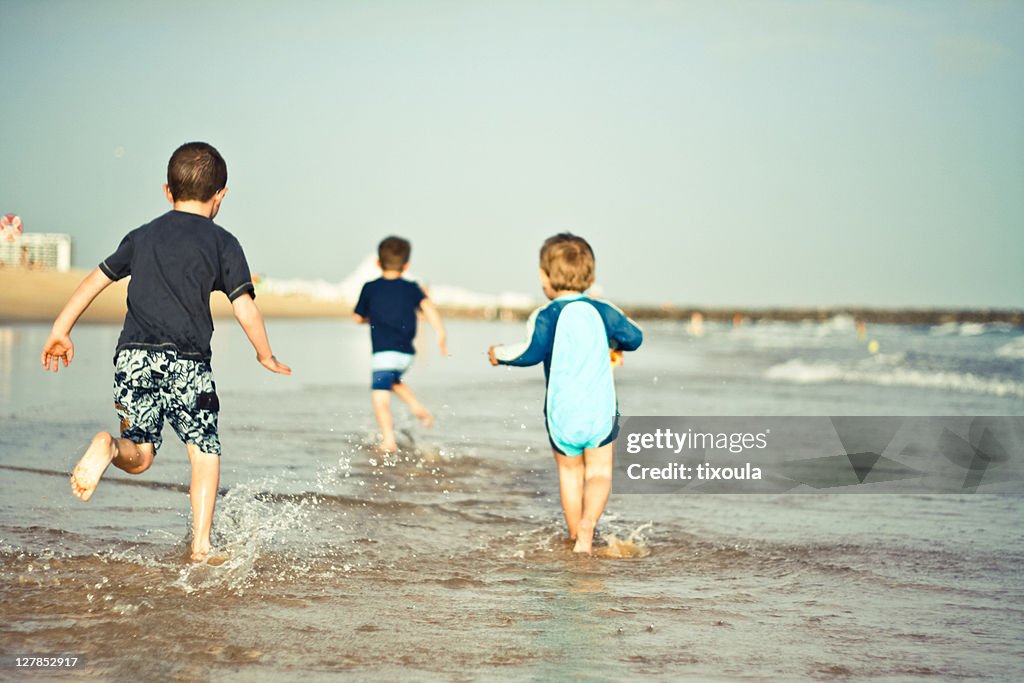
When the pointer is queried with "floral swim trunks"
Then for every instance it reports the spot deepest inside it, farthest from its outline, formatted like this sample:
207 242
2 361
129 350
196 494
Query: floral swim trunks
151 385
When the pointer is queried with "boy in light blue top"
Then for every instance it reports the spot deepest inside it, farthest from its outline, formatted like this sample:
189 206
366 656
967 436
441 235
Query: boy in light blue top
572 336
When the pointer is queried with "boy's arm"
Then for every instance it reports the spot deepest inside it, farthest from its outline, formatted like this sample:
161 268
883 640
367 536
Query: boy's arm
527 353
434 318
251 320
625 335
59 344
361 312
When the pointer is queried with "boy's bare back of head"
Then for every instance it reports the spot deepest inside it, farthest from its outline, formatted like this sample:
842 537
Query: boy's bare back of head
196 172
393 253
568 262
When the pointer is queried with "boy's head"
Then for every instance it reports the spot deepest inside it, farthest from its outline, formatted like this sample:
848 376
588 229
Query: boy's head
196 172
393 253
566 264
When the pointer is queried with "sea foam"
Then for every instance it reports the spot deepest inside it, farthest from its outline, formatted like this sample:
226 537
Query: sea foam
884 374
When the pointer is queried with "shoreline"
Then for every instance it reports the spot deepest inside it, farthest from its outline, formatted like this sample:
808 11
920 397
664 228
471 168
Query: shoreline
37 296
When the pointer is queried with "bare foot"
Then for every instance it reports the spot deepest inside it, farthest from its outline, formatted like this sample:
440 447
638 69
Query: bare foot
93 464
426 419
389 447
200 551
584 537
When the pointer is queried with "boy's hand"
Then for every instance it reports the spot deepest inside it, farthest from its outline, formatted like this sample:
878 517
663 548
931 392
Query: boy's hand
442 343
56 348
491 357
59 345
274 365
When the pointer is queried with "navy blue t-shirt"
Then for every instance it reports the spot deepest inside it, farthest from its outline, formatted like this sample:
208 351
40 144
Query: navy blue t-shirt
390 306
176 261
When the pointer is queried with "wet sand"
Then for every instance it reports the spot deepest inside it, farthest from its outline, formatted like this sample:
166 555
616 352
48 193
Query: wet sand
450 561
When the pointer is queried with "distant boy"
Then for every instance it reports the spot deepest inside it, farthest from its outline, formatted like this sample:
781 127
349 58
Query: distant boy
572 336
389 304
162 362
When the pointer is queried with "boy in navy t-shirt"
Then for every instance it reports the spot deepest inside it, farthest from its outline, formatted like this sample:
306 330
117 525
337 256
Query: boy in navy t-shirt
389 304
162 362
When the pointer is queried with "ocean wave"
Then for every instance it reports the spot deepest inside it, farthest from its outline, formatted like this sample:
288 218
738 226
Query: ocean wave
798 371
961 329
840 322
1013 349
836 331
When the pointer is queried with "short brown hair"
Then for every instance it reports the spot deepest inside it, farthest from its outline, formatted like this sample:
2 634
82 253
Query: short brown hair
393 253
568 261
196 171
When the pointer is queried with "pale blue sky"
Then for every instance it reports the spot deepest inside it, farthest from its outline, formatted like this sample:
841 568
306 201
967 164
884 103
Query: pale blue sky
770 153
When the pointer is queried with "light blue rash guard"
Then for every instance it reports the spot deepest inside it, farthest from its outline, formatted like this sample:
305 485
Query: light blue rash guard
571 335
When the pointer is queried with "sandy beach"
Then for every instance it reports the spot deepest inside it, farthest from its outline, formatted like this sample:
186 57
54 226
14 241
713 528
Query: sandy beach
37 296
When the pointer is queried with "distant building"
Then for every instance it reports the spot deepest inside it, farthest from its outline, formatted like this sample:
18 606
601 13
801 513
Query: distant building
36 250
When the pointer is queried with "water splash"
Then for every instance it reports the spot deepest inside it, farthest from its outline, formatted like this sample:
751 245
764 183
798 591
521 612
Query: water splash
615 542
633 546
249 523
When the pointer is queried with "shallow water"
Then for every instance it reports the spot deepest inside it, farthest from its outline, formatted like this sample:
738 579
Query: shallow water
449 561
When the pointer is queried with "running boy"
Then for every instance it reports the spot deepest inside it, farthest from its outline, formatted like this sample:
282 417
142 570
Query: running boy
572 336
389 304
162 362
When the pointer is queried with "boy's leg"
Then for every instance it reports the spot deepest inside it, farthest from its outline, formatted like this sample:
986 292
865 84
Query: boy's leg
570 488
193 410
133 458
203 496
126 455
140 409
403 392
597 486
382 411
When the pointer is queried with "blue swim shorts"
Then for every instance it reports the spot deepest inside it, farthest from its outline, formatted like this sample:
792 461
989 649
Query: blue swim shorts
388 367
153 385
612 435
